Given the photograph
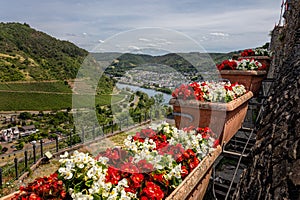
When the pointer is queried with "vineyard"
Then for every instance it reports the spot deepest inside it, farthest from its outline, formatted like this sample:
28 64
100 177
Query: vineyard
37 96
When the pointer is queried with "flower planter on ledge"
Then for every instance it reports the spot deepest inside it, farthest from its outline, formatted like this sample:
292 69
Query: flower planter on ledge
195 184
9 197
251 79
223 118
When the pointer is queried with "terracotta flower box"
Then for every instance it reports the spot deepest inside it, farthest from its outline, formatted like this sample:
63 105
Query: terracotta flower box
223 118
195 184
251 79
9 197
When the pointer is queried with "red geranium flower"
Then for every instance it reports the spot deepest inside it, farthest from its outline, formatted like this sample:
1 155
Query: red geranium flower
129 168
153 191
42 188
184 171
183 92
248 52
216 143
227 64
145 166
113 175
137 180
193 163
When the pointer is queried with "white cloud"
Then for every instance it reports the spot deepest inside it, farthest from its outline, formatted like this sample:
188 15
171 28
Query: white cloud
134 48
241 20
144 40
151 45
220 34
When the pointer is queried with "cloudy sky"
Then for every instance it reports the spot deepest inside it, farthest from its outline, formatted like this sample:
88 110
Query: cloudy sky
217 25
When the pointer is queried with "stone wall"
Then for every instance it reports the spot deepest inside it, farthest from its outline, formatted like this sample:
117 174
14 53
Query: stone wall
275 170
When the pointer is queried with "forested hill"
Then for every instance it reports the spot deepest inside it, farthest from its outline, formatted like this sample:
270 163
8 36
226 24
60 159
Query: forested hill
28 54
181 62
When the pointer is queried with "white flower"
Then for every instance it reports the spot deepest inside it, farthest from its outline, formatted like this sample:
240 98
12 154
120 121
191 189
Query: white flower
248 64
80 196
62 170
70 164
123 183
103 160
127 195
92 172
68 175
80 165
113 194
65 155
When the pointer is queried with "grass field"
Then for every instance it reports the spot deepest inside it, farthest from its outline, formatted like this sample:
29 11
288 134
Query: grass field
34 101
39 96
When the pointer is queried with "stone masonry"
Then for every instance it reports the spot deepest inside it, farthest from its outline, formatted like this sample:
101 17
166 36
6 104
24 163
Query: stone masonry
275 169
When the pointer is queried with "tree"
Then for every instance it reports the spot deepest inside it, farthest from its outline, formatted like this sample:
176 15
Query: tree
20 145
25 115
159 99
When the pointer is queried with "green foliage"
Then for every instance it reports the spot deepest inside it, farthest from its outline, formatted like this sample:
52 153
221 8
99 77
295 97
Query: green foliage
181 62
164 90
34 101
53 87
38 54
20 145
265 46
131 98
27 54
25 115
51 101
75 140
143 106
159 99
10 73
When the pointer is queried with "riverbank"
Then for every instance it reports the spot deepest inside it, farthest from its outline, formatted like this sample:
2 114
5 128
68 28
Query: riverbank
150 92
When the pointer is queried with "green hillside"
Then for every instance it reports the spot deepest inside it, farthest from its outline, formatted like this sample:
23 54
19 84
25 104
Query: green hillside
27 54
181 62
36 70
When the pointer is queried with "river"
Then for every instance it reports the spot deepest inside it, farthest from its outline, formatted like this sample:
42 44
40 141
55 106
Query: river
150 92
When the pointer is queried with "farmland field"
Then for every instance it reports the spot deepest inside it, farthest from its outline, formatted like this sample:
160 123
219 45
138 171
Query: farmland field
58 86
38 96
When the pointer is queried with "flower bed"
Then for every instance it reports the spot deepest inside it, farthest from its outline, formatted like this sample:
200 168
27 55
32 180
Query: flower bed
241 64
261 55
209 91
220 106
251 79
42 188
246 71
150 165
256 52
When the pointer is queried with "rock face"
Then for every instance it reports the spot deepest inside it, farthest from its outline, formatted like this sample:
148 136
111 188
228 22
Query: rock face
275 170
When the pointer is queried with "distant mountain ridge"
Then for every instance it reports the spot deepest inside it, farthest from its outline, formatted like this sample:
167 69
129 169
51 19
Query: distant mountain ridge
30 55
190 63
27 54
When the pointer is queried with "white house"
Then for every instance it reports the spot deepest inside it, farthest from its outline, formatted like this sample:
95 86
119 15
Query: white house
9 134
28 130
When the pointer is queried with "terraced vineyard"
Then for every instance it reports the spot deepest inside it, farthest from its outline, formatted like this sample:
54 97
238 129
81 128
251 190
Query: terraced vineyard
49 95
46 86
